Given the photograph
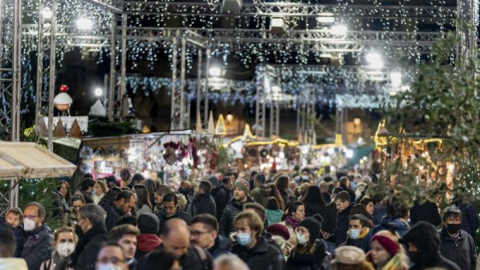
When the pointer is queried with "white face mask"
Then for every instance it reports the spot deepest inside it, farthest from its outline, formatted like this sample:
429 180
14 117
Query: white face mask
65 249
108 266
28 225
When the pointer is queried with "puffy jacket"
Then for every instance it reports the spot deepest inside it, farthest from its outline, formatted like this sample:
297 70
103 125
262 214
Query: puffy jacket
459 250
162 217
222 246
260 195
221 197
263 256
228 215
203 204
37 247
394 225
88 246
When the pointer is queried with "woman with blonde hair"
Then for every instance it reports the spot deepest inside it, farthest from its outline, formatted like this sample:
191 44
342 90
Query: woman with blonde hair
99 190
387 253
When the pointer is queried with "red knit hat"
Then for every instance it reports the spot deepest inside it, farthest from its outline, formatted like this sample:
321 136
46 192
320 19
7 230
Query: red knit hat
280 230
388 244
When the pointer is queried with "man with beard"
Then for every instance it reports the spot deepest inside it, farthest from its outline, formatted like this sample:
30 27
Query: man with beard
123 204
91 233
203 202
240 197
126 236
175 236
171 210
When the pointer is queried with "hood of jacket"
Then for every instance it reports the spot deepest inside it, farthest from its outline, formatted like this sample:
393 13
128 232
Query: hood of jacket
395 224
148 242
201 197
264 190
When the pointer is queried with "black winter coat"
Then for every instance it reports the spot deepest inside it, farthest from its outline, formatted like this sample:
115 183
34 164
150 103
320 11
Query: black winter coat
222 246
226 226
440 263
263 256
306 261
342 226
203 204
88 246
113 215
459 250
162 217
37 247
425 212
221 197
329 218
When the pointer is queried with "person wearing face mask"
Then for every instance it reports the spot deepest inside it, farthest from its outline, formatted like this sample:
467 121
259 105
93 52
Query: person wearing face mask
37 246
64 245
91 233
423 242
252 247
456 244
123 204
309 253
110 257
359 228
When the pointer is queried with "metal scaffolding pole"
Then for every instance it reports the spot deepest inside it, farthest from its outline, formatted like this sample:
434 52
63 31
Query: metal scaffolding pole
113 73
260 103
39 85
199 90
274 119
51 84
17 69
183 70
123 67
207 68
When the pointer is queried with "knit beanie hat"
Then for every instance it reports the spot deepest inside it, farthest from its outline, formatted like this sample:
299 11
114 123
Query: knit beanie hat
148 223
243 185
280 230
388 244
313 227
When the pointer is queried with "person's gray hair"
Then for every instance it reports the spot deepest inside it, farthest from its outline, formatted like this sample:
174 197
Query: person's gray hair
233 262
94 213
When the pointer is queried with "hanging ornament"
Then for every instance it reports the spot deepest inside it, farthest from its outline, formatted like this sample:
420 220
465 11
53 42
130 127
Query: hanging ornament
264 153
63 101
100 152
112 151
86 152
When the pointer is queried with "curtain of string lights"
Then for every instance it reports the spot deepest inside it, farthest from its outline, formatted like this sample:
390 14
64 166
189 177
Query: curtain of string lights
133 31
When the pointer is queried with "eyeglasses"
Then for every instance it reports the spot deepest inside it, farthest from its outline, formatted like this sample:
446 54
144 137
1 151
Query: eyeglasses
31 217
113 260
198 233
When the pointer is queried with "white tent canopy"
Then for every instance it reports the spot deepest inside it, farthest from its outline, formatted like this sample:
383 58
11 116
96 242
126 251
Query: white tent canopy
30 160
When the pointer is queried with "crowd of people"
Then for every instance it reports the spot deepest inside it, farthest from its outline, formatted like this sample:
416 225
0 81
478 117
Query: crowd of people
238 221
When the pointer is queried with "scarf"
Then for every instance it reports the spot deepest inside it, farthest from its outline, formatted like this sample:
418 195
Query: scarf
395 263
291 221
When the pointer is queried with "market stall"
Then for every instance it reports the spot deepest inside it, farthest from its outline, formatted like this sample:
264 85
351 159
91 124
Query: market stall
20 161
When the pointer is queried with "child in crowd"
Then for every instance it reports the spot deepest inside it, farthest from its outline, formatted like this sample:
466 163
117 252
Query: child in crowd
273 212
13 219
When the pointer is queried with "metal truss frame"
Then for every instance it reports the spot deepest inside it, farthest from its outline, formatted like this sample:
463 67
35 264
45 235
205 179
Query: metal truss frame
259 9
114 6
260 107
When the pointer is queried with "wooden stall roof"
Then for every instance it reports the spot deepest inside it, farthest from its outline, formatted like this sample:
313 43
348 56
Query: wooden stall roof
30 160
